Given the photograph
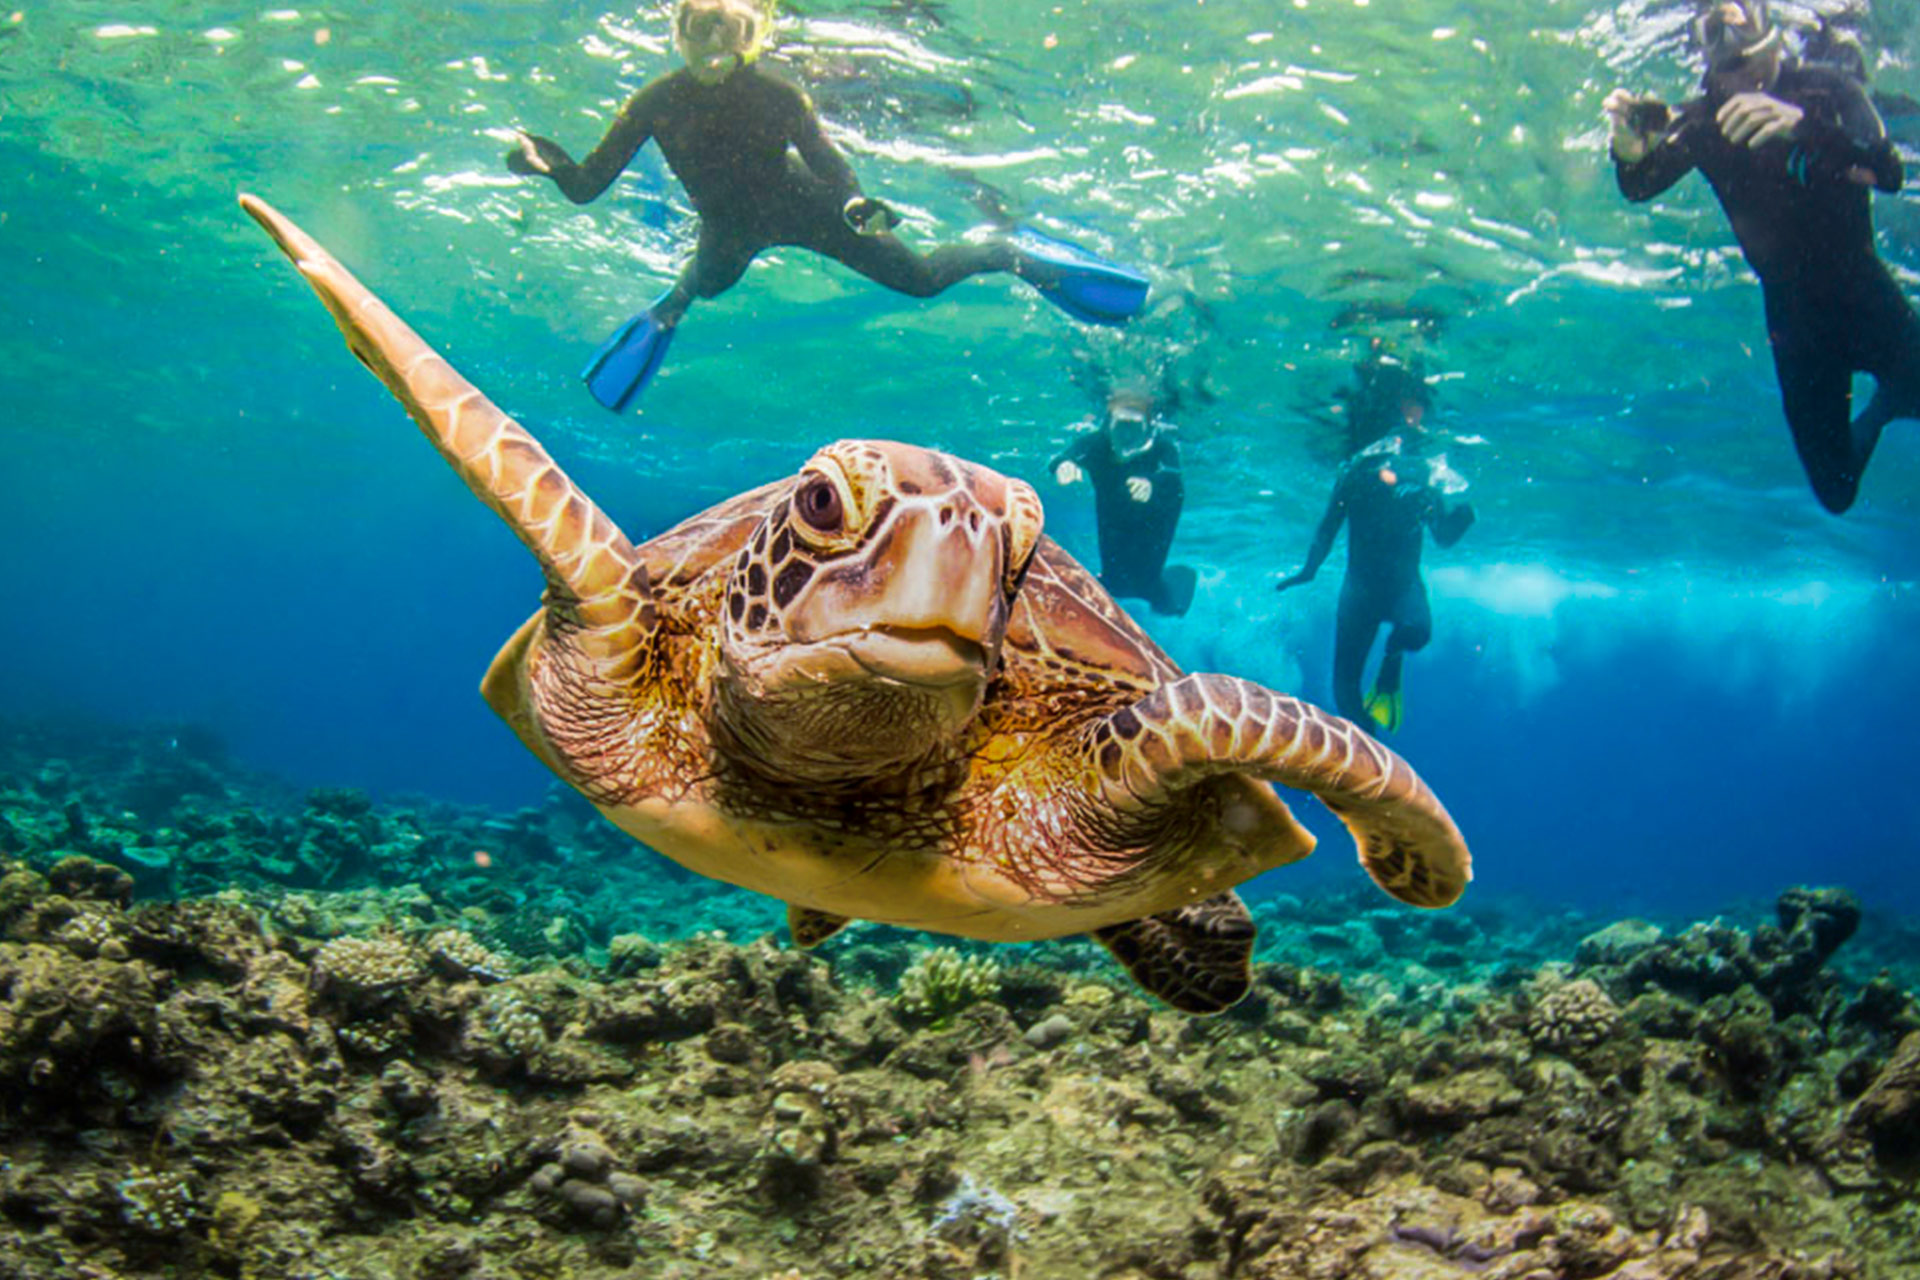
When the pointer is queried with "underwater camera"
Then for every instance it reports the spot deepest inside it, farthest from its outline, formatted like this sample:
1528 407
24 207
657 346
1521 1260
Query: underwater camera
1648 115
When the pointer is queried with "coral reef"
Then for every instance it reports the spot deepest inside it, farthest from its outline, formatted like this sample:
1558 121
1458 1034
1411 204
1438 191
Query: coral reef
345 1066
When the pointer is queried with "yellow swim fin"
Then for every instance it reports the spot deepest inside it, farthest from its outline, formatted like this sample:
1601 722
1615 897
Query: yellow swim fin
1385 709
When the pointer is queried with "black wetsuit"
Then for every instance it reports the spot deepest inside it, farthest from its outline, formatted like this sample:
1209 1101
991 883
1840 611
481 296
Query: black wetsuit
1136 536
1386 498
1807 231
753 158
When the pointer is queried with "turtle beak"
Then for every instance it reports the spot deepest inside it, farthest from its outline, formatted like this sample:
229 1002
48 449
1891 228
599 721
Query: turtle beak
934 579
939 615
929 658
945 573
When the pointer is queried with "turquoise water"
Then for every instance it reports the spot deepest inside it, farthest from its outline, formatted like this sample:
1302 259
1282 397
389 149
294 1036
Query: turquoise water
1660 674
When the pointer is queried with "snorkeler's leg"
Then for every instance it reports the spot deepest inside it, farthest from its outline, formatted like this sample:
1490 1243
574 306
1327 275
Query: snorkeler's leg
1816 389
1135 545
1082 284
887 260
626 362
1159 515
1409 631
1355 625
720 258
1177 585
1888 335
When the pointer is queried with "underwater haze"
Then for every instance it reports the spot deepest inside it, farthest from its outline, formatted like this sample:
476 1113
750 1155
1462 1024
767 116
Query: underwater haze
1662 680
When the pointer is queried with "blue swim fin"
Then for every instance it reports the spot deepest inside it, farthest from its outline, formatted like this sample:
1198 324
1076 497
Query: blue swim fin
627 361
1084 285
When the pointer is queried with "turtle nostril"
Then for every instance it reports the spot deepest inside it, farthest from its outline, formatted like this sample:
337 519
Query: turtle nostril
946 516
973 521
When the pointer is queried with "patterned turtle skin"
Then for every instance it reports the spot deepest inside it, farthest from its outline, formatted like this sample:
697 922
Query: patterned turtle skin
875 691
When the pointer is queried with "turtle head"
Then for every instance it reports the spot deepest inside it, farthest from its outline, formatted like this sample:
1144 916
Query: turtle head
863 619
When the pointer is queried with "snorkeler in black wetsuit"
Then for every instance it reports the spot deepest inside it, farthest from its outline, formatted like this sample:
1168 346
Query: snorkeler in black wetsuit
1790 151
1134 467
760 170
1387 494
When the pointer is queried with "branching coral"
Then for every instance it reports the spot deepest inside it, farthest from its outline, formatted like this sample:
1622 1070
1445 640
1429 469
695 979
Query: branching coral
512 1023
941 982
459 953
1571 1015
368 966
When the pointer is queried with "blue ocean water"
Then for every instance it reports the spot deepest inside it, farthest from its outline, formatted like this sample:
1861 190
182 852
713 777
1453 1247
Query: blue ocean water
1662 680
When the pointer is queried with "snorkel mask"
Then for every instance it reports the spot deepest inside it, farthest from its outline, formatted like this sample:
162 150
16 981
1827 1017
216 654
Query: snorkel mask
1392 393
1730 32
1129 431
718 37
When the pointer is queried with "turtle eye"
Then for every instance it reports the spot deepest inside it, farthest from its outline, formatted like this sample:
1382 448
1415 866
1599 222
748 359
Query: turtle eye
818 503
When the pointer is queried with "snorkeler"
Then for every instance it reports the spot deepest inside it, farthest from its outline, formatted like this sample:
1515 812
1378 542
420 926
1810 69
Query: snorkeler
1134 467
750 151
1790 150
1388 493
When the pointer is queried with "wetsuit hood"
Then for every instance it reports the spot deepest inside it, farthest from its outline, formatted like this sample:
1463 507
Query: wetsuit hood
1385 386
1388 377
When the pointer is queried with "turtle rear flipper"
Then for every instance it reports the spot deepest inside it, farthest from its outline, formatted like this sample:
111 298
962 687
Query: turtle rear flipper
597 579
810 928
1203 726
1195 957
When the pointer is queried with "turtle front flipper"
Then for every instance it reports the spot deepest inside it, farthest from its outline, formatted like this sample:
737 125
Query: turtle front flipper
1203 726
1197 957
596 579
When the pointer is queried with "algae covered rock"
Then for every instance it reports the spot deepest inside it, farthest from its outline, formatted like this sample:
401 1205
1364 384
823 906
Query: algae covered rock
1888 1113
1822 919
1618 942
1457 1099
65 1020
582 1174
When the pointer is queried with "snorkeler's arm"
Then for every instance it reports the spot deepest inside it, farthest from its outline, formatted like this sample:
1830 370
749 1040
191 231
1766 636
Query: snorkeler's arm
1669 160
1449 521
1078 454
586 180
1164 457
811 141
1842 134
1157 472
1075 451
1323 537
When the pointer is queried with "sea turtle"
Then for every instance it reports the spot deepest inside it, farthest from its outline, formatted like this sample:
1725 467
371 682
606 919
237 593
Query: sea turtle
875 691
